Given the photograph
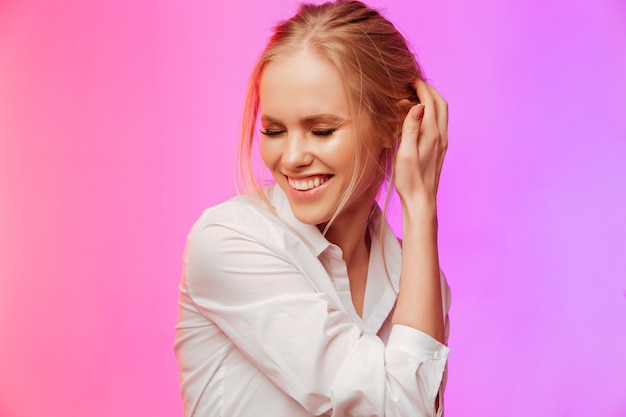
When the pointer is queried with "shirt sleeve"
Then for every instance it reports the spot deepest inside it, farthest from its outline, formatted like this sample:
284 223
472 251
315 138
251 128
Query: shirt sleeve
298 337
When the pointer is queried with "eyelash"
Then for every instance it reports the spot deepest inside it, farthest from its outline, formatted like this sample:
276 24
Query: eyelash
325 132
272 132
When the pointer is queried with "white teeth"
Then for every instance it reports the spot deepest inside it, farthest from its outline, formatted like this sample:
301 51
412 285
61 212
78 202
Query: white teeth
304 185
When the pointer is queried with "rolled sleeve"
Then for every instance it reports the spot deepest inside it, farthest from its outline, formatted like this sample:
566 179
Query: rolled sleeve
417 362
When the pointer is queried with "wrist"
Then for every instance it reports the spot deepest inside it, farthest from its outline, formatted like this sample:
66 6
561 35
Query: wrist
422 211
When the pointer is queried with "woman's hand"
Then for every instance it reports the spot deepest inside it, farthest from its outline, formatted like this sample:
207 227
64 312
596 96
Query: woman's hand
422 148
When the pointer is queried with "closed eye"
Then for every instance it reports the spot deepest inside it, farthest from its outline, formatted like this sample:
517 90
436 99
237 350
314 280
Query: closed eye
272 132
323 132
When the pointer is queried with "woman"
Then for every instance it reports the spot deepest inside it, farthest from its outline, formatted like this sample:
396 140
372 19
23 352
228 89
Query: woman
295 299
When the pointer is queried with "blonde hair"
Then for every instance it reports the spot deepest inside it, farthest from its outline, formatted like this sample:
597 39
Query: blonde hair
377 68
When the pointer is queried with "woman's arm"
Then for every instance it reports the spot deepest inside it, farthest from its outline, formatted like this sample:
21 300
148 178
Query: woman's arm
418 167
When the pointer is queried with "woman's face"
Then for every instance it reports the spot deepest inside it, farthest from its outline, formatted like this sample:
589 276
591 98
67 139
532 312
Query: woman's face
307 141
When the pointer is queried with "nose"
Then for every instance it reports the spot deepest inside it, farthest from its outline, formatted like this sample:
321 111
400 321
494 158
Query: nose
297 152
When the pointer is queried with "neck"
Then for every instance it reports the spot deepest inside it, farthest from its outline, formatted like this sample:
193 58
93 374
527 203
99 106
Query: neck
349 232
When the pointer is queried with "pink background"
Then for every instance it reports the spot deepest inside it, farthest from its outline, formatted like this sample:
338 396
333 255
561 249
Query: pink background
117 127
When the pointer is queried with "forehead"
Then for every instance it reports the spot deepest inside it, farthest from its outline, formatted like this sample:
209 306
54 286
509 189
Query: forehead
300 85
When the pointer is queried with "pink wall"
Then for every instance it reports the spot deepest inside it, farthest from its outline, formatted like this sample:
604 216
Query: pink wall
117 127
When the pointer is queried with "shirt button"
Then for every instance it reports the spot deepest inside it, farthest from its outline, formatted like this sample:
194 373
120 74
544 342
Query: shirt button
437 355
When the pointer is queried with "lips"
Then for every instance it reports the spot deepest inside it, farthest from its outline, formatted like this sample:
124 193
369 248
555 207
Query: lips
308 183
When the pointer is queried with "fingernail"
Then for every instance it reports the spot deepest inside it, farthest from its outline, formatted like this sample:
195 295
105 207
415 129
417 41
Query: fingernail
418 112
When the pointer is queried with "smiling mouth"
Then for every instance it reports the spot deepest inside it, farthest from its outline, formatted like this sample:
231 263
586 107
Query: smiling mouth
305 184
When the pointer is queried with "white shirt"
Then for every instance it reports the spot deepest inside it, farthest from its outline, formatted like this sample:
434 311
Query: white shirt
267 327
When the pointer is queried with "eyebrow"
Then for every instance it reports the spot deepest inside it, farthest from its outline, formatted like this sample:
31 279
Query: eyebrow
329 118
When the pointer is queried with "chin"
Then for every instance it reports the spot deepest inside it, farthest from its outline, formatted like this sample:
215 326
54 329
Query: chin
310 216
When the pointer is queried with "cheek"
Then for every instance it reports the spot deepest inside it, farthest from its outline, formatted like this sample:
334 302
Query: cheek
340 150
267 153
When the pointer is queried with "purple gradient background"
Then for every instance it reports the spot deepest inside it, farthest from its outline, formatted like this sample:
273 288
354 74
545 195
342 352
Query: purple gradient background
117 127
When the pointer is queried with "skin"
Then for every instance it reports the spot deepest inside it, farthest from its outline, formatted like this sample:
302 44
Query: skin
308 136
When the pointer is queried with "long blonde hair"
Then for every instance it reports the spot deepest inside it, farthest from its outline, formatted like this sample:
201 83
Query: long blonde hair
377 68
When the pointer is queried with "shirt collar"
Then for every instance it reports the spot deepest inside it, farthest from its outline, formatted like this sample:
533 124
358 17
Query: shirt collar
383 279
318 243
392 249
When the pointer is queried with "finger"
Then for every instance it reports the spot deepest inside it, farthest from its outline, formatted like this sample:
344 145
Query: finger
442 122
430 110
442 114
423 94
410 129
429 135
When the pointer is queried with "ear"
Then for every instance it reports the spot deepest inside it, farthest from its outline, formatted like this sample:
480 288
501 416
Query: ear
388 138
391 141
385 159
388 144
384 141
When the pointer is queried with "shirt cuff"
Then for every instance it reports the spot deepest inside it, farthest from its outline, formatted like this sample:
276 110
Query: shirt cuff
417 342
418 363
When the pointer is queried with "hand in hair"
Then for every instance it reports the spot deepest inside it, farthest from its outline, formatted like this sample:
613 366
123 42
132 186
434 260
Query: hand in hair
422 148
418 166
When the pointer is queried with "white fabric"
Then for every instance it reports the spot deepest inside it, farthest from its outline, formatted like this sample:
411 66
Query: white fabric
267 327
